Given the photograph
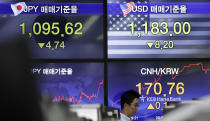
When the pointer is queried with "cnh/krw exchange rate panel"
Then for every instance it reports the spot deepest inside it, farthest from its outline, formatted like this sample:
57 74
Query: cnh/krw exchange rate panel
158 29
74 83
158 83
56 29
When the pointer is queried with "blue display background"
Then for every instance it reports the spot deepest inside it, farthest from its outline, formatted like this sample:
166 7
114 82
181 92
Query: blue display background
192 8
125 76
86 77
83 8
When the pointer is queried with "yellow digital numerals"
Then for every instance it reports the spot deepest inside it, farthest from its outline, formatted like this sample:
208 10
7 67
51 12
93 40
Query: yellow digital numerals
55 29
47 28
157 88
163 28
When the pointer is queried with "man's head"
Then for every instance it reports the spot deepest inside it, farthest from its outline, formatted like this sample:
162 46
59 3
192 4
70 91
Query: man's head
130 102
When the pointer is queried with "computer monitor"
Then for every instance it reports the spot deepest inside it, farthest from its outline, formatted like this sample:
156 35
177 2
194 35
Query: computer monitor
88 111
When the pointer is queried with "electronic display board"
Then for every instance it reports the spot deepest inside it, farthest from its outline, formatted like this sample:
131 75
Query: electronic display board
158 82
75 83
158 28
59 29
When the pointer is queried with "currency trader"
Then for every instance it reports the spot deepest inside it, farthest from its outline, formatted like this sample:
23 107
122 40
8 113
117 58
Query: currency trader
129 104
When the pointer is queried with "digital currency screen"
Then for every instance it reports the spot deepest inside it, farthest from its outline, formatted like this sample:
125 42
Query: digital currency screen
158 83
75 83
56 29
158 29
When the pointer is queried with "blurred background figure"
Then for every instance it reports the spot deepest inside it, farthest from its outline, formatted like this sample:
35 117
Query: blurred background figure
19 100
57 111
18 87
197 110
